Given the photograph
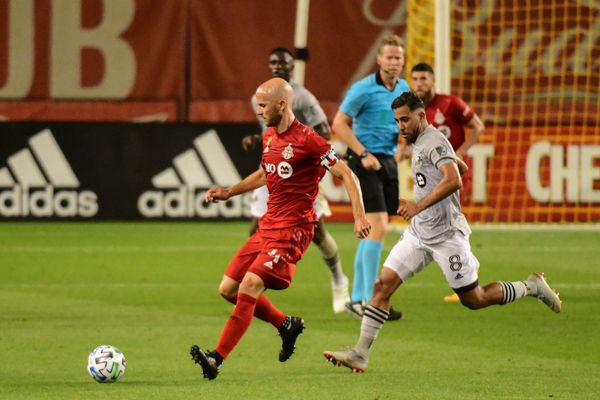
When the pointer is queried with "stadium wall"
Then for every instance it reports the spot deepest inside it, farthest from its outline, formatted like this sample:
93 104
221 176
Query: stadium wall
176 60
529 69
110 171
153 171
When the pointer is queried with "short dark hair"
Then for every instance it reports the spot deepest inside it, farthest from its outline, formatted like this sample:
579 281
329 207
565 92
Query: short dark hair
282 50
408 99
422 67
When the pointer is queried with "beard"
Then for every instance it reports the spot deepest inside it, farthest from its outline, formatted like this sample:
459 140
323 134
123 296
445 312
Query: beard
427 97
413 137
274 121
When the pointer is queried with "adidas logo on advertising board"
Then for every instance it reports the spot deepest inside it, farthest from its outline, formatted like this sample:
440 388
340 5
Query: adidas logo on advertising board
34 176
181 188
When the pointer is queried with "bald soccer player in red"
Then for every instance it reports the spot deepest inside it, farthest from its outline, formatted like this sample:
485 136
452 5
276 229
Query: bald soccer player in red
294 159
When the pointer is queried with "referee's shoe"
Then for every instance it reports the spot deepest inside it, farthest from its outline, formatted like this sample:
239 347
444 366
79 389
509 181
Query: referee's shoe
357 308
394 315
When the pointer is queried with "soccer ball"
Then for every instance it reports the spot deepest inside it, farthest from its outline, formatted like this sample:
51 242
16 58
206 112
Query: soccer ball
106 364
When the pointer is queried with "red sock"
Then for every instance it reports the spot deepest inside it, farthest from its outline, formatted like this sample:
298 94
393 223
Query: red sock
237 324
265 310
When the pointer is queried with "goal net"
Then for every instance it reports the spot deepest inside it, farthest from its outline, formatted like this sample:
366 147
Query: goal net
531 70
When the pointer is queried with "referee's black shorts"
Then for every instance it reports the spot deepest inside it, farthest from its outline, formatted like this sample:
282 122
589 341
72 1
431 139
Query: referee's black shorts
379 188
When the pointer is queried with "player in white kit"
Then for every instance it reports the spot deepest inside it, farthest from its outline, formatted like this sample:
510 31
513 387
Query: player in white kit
438 232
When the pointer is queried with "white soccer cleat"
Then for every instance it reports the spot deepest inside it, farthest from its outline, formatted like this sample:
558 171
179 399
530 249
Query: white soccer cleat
341 296
544 293
348 358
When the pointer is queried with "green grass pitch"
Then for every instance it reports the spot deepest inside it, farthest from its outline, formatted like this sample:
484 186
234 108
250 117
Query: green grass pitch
151 290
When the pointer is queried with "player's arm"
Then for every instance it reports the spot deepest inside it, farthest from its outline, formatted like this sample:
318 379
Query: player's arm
340 170
251 182
450 183
342 126
404 151
474 129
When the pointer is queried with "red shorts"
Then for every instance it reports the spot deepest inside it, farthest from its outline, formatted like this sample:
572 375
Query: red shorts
272 254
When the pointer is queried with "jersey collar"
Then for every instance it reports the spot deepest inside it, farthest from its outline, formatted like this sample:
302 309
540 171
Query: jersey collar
292 125
379 81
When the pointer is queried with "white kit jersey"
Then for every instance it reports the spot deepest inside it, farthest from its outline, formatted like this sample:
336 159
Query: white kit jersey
438 222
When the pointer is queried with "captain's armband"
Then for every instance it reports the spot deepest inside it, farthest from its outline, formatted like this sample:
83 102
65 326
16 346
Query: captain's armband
329 159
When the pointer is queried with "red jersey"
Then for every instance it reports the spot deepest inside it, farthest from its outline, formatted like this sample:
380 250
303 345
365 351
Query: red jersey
449 114
294 162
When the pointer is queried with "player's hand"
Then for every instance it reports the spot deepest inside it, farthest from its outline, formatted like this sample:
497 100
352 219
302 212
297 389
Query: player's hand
362 227
407 209
403 153
398 156
250 142
215 194
371 163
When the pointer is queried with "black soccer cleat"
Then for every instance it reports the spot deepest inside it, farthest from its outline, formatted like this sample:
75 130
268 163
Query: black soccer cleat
289 336
395 315
210 361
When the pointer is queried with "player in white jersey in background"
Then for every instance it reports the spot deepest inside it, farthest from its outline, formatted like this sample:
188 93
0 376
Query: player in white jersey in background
306 108
438 231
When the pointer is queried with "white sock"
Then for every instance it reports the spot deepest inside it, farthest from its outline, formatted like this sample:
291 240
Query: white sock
372 322
515 290
329 252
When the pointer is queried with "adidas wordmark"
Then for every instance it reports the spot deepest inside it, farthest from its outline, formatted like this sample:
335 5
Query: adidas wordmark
180 189
41 183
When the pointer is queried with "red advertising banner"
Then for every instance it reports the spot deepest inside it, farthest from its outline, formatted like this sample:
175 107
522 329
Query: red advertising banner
519 174
529 69
191 52
531 174
231 43
91 50
89 110
196 52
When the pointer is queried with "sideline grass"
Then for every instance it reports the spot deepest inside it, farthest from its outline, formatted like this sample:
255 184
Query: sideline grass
150 289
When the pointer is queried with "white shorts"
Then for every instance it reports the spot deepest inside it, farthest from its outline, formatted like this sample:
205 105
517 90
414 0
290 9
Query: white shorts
258 207
409 256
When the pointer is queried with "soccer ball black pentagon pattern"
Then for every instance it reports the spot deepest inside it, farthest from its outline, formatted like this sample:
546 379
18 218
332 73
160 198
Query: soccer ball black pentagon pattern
106 364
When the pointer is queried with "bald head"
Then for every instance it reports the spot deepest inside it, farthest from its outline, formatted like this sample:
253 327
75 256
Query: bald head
276 89
274 102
